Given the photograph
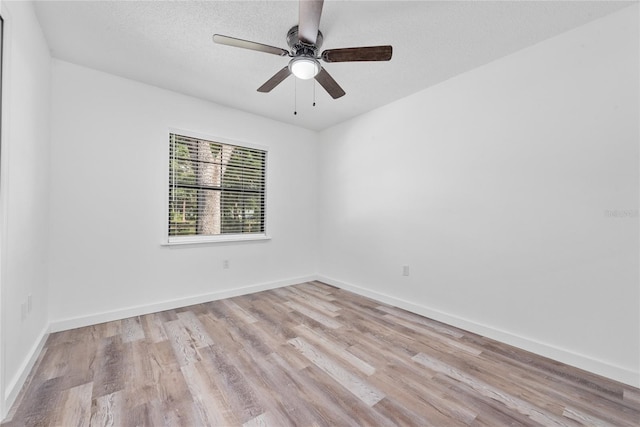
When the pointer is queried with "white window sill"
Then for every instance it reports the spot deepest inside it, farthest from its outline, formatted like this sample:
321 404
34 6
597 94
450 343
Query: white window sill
203 240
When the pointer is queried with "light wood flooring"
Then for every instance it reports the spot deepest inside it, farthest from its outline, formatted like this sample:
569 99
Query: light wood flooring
305 355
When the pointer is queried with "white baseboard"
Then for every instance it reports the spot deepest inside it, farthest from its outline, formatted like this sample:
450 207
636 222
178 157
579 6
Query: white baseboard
139 310
15 384
568 357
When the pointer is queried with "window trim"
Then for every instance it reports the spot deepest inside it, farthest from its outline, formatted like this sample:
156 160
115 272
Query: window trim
212 239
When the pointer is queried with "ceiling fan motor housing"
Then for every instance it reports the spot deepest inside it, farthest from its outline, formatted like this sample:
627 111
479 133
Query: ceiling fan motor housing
300 48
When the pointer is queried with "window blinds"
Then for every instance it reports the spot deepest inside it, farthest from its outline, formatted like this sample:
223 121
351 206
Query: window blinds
215 188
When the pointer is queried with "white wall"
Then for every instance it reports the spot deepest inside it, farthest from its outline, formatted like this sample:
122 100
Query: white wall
24 189
109 201
500 188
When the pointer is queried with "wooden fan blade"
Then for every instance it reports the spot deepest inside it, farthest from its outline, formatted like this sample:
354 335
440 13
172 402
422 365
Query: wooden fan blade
246 44
352 54
330 85
275 80
309 20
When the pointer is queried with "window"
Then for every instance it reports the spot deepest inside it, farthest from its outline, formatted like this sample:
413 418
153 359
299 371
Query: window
216 190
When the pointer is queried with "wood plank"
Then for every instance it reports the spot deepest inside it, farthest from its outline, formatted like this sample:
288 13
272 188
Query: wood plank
152 325
246 337
40 403
180 339
345 402
296 406
240 312
337 351
311 288
108 410
75 409
415 388
263 420
434 335
174 400
109 368
207 397
318 398
237 393
359 387
196 332
312 314
313 301
402 415
132 329
414 318
506 398
631 396
585 419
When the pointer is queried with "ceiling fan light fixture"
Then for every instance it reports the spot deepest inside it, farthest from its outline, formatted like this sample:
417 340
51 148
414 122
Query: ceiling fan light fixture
304 67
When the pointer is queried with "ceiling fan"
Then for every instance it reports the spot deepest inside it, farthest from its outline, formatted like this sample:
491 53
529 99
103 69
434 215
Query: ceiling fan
305 40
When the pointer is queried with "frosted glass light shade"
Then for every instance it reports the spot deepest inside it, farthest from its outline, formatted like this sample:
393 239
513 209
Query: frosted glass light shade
304 67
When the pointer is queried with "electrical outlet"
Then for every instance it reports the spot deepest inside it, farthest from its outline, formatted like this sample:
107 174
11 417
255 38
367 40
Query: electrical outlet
29 303
23 311
405 270
225 264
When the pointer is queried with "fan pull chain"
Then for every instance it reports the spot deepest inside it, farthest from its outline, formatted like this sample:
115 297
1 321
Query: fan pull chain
295 96
314 93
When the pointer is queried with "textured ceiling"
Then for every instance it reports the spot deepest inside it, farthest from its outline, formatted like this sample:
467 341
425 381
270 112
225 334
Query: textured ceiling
168 44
